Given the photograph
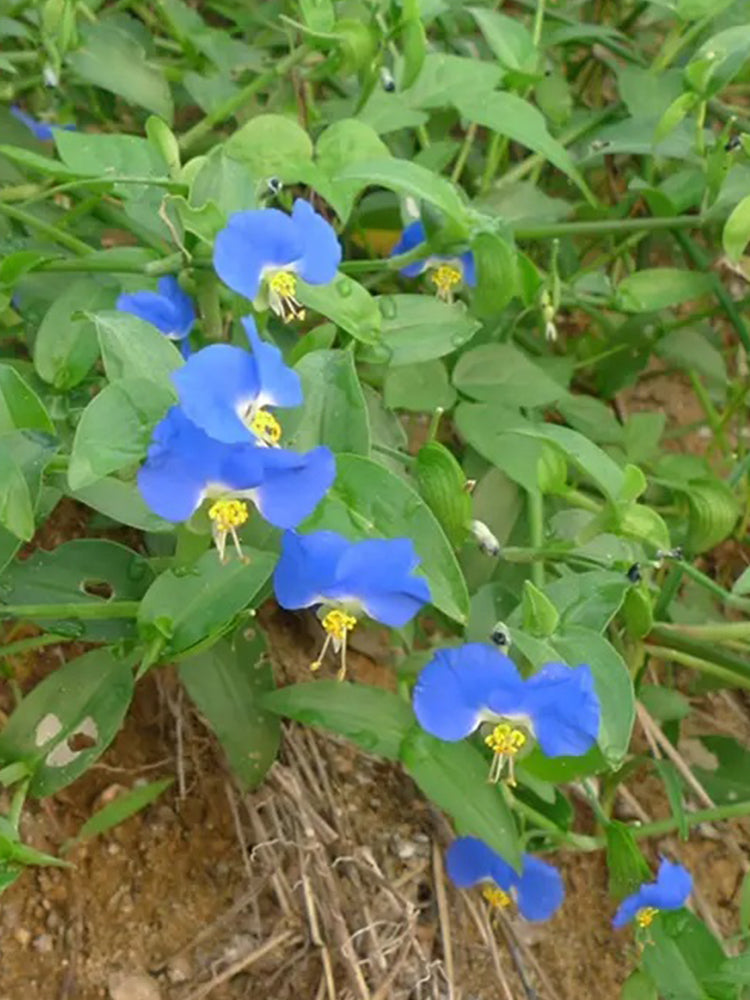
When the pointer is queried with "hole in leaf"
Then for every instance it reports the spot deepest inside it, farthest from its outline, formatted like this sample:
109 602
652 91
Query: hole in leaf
47 729
97 588
84 737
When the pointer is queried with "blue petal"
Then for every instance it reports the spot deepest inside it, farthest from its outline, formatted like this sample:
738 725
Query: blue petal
379 573
457 685
278 385
40 129
215 385
564 709
184 310
180 461
321 253
252 241
293 485
411 237
307 567
469 268
540 889
469 860
670 891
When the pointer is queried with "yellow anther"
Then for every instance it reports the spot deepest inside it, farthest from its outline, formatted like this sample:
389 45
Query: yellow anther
337 625
266 426
445 278
226 517
496 897
645 916
228 514
282 288
505 741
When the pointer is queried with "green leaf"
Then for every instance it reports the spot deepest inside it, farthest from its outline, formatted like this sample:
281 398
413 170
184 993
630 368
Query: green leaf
81 571
99 155
347 303
444 77
85 699
741 586
368 501
502 371
318 15
228 683
661 287
638 986
39 164
133 348
16 506
120 500
454 777
419 328
191 606
66 347
628 869
408 178
494 431
444 487
270 146
512 116
538 613
497 273
413 42
682 957
120 809
736 234
334 411
664 703
111 58
729 780
508 38
374 719
20 407
115 428
714 510
420 388
342 144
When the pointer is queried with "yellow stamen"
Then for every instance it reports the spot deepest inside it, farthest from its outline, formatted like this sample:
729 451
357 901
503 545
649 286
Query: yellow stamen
266 426
505 741
226 516
496 897
645 916
283 290
337 625
445 278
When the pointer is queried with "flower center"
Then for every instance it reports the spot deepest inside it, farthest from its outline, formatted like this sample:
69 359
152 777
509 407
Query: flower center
505 741
226 516
445 278
266 427
283 291
337 624
645 916
496 897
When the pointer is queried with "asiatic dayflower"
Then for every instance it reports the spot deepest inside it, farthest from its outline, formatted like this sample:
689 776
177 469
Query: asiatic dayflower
537 890
266 250
670 891
42 130
347 579
170 309
185 466
225 390
464 687
446 271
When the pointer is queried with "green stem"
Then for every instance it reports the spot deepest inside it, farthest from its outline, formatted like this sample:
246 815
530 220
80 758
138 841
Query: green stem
698 663
32 222
536 33
535 513
662 826
606 227
458 167
717 632
172 264
234 103
712 417
102 610
17 804
705 581
34 642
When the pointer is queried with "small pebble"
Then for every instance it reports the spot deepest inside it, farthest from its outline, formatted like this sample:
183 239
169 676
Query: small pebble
22 936
44 944
132 986
179 969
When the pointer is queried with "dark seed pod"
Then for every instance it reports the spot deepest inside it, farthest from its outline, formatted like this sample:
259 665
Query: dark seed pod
634 573
734 144
274 185
386 80
500 635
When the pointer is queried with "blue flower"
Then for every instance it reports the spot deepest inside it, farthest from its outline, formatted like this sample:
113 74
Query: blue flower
448 271
268 248
41 130
169 310
538 889
670 891
463 687
224 390
375 577
184 467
